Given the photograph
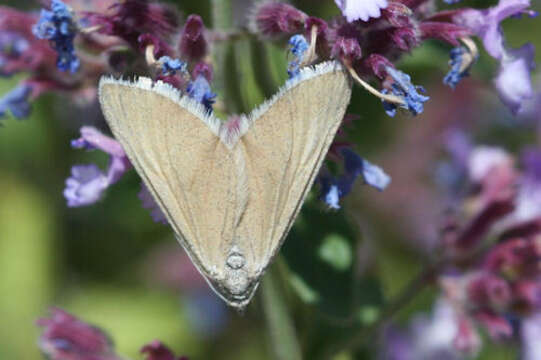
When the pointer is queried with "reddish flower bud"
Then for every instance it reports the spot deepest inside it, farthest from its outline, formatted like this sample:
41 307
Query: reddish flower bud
193 44
405 38
160 47
131 18
497 326
158 351
203 68
467 339
275 19
412 4
323 46
515 258
397 14
346 48
474 232
488 290
377 64
67 338
528 293
447 32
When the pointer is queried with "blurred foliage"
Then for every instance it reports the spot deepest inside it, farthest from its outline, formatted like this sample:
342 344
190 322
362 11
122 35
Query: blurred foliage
90 260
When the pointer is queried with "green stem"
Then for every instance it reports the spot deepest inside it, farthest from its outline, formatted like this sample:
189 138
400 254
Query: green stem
262 66
225 75
281 330
414 288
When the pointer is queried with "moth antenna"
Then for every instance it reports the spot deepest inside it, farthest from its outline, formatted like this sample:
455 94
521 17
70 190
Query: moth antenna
471 56
311 55
387 97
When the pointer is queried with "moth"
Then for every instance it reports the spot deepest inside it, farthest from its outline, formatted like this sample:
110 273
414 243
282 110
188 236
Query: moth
230 190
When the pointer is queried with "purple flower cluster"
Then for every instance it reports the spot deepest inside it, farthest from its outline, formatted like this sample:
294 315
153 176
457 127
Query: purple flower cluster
87 182
371 46
497 284
65 337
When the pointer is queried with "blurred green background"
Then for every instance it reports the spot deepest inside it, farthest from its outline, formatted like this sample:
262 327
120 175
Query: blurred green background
99 262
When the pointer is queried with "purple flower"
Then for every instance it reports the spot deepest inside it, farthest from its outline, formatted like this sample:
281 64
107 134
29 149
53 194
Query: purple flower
16 101
434 336
458 69
59 27
486 23
65 337
200 91
85 185
87 182
361 9
156 350
402 87
132 18
297 46
193 44
513 81
333 189
150 204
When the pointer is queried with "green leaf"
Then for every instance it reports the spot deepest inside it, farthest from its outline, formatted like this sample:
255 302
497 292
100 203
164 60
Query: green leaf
336 251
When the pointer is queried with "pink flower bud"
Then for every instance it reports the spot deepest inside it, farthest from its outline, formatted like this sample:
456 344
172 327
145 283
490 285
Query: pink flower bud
65 337
497 326
275 19
156 350
193 44
203 68
488 290
447 32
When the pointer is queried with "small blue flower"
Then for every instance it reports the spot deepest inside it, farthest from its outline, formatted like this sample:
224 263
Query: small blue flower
200 90
404 89
373 175
329 192
333 189
58 26
16 101
171 66
458 70
298 46
451 1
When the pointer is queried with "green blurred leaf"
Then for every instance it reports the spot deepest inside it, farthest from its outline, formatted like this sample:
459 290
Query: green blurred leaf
336 251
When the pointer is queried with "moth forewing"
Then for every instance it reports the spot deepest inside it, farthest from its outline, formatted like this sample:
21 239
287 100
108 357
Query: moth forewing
231 196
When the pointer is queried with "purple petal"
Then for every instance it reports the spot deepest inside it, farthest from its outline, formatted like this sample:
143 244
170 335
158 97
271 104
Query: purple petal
486 23
150 204
531 337
513 82
85 185
93 138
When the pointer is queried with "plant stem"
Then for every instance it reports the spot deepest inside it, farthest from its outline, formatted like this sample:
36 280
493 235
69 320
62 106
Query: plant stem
410 291
281 330
225 74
